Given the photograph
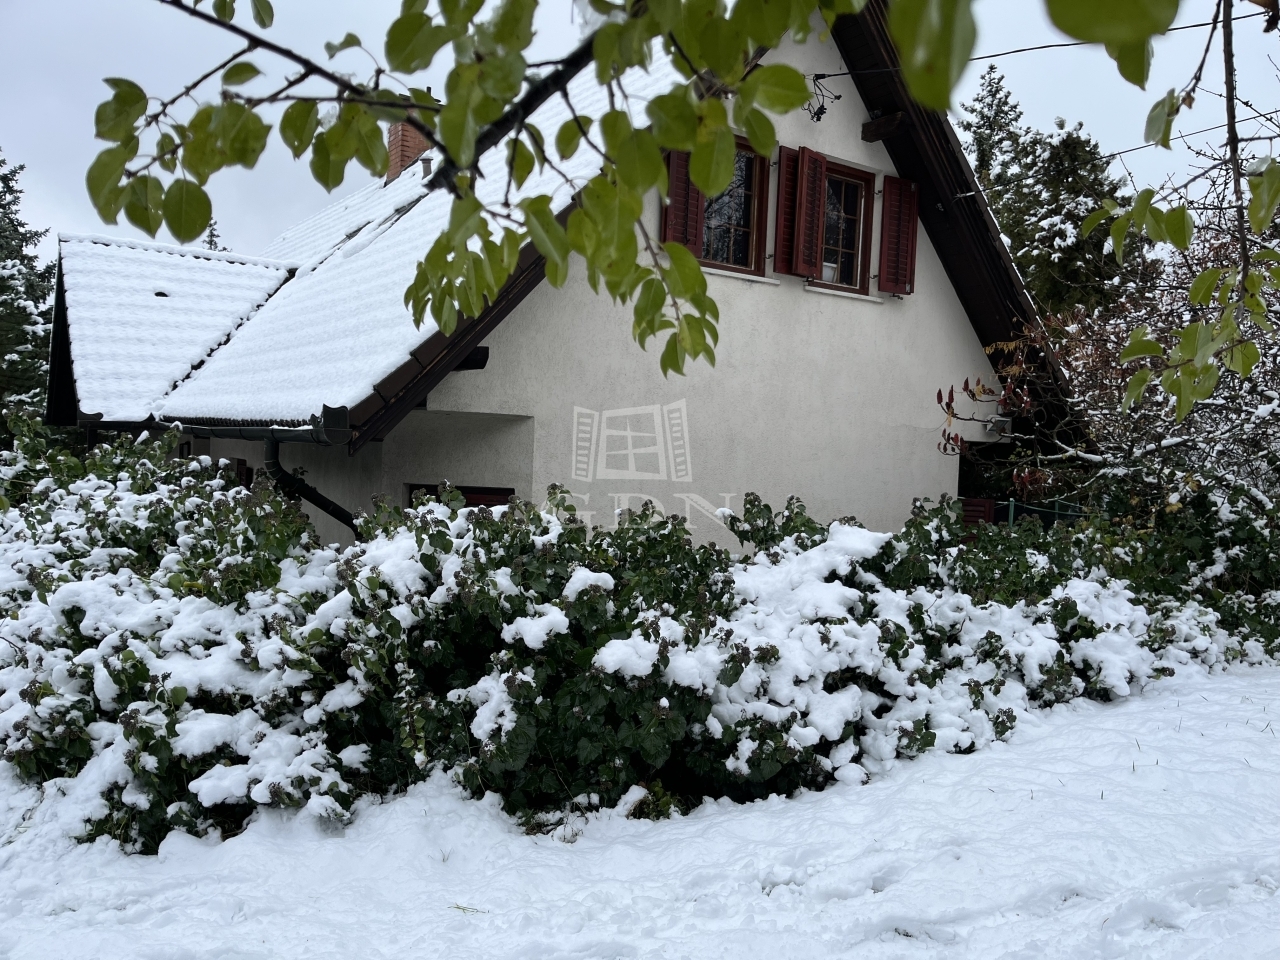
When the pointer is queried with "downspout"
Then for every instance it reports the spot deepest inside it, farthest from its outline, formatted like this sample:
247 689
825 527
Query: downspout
296 487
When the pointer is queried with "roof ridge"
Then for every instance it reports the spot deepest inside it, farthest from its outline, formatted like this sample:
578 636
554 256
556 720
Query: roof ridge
198 253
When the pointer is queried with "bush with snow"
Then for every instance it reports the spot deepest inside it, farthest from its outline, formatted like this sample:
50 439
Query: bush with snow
176 651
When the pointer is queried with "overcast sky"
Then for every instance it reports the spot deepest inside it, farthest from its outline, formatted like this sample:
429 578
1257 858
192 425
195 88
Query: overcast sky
54 53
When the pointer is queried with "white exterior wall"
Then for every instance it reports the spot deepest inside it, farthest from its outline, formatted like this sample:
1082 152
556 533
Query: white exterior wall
823 395
819 394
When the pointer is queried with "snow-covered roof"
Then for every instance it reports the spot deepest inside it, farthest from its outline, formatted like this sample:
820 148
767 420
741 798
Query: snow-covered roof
238 339
141 315
341 322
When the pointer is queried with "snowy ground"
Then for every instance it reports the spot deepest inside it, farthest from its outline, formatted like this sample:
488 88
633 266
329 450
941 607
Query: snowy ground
1146 828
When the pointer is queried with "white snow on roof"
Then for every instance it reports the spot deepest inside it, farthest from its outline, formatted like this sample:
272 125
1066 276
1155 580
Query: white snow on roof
141 315
233 340
341 325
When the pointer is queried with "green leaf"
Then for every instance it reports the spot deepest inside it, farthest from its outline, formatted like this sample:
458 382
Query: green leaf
1160 120
239 73
1141 204
177 696
103 180
1241 358
187 210
144 204
1179 227
674 119
641 166
346 43
935 40
548 237
519 160
241 134
370 144
115 118
1201 292
1136 388
166 152
570 135
1264 196
412 42
760 132
458 126
1118 230
1112 21
777 87
264 14
1155 225
327 169
1140 345
298 126
224 10
1092 220
1133 61
684 277
672 359
711 164
723 45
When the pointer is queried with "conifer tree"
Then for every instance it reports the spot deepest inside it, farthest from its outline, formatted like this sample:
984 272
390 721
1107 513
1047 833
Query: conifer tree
1041 186
25 317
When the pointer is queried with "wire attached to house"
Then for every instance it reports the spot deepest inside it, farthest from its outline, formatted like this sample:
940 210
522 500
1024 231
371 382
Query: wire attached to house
1010 53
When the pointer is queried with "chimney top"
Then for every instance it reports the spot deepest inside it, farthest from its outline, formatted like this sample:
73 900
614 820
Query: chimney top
404 146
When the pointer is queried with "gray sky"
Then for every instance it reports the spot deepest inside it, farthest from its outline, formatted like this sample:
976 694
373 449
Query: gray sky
53 54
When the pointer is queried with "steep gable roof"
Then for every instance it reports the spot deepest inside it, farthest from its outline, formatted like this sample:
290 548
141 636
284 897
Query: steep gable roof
337 335
140 316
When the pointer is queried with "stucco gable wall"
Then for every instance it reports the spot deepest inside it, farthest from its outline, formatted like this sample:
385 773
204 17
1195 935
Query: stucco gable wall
824 396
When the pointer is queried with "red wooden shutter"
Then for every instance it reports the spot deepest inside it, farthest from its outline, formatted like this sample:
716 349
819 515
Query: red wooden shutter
784 231
898 237
682 220
811 196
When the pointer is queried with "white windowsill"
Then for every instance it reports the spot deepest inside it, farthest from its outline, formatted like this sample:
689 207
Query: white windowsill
751 277
847 294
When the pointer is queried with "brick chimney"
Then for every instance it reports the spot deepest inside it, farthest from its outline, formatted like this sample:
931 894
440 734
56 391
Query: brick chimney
404 146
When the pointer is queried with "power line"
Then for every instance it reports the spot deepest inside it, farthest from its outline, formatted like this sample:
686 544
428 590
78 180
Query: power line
1082 43
1145 146
1043 46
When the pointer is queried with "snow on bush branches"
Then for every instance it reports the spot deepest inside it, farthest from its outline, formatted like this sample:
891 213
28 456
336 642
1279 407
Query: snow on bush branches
176 651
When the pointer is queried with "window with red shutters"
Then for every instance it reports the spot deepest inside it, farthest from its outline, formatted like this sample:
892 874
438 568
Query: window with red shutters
784 231
898 237
683 217
726 232
811 191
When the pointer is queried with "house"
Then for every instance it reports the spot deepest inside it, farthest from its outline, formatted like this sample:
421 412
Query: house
840 321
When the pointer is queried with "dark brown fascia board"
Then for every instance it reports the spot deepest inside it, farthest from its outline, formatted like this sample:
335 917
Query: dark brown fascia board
404 389
437 357
62 407
953 209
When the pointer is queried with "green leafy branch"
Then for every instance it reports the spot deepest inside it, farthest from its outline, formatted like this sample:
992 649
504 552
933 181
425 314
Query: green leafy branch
490 93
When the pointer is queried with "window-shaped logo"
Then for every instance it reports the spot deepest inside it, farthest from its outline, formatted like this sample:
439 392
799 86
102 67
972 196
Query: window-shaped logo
632 443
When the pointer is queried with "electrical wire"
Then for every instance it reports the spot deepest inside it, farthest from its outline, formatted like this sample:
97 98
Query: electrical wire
1043 46
1082 43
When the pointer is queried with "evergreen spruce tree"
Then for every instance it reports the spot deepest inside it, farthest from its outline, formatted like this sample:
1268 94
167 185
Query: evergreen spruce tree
213 239
1040 187
25 309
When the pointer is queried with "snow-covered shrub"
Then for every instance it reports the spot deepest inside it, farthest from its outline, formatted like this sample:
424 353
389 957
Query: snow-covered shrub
175 651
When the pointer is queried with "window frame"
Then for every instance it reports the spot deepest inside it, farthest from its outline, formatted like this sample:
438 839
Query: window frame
759 218
867 179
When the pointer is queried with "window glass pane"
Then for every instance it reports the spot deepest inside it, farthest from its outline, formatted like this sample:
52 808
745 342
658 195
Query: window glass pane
727 228
842 238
